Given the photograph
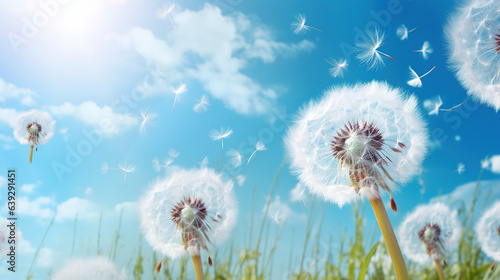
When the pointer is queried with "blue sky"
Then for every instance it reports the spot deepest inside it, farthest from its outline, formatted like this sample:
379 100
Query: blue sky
90 61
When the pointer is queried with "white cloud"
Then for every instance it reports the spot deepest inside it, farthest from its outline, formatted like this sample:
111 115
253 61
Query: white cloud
463 194
280 211
39 207
28 188
8 116
7 142
494 164
11 91
85 209
102 118
213 49
45 256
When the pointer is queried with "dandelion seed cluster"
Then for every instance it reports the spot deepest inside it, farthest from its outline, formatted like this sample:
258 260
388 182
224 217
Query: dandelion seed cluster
188 211
428 232
98 268
473 34
488 232
34 127
355 140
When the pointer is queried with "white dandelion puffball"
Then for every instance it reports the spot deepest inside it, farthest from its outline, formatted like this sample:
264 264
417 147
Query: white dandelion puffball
188 211
488 232
473 35
34 127
429 232
98 268
368 132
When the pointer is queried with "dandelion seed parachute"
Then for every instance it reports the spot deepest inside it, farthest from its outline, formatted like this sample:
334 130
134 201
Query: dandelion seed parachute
338 67
188 211
402 32
235 158
473 35
428 232
34 127
488 232
368 49
433 105
372 113
98 268
426 50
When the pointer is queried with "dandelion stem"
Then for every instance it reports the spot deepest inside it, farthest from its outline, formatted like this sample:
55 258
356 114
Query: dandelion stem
251 156
427 72
31 153
389 238
198 268
439 269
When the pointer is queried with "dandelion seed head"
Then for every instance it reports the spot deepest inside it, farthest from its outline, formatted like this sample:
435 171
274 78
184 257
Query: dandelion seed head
429 232
368 135
473 35
488 232
98 268
188 211
34 127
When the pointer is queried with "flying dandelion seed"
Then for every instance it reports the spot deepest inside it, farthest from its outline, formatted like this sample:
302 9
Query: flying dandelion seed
488 232
369 53
338 67
460 168
428 232
165 12
433 105
415 78
235 158
145 119
202 104
473 35
182 88
105 168
172 155
33 127
98 268
452 109
64 132
126 169
403 32
299 25
220 135
356 141
426 50
189 211
258 147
